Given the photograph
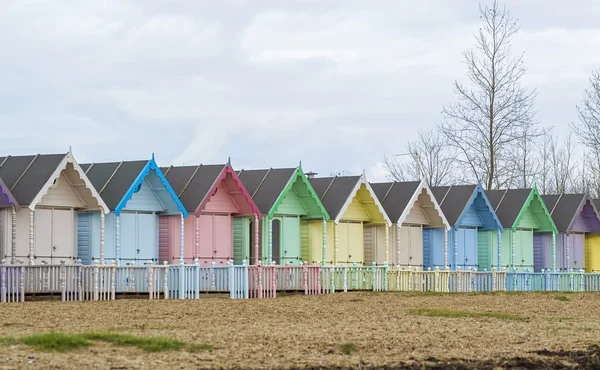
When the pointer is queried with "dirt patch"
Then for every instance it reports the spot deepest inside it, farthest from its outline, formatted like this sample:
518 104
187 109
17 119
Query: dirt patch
304 332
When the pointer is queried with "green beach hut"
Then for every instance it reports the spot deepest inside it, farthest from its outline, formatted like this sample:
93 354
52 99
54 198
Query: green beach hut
522 212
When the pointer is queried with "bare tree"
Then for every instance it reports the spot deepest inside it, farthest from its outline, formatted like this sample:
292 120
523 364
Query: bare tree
494 111
588 128
563 166
428 158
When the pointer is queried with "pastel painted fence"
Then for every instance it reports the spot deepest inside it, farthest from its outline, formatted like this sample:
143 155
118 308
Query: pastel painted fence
558 281
445 281
188 281
344 278
81 282
265 281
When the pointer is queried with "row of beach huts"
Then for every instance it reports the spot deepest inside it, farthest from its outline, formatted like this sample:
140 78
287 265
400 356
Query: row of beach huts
99 229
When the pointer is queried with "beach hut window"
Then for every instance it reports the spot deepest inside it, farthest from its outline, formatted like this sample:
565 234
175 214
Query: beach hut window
276 230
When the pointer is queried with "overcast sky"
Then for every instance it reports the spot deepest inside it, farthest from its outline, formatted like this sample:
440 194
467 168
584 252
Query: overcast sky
334 83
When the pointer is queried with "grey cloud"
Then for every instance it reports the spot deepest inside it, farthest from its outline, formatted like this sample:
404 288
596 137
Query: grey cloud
335 84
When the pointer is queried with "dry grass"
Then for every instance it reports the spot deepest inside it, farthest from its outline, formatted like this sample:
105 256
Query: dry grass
352 330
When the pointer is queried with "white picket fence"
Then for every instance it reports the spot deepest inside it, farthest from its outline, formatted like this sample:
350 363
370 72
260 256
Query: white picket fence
82 282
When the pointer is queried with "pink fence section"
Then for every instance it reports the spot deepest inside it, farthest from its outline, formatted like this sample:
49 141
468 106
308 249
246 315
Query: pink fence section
265 281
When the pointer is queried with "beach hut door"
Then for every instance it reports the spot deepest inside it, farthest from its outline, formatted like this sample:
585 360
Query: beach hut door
54 235
276 244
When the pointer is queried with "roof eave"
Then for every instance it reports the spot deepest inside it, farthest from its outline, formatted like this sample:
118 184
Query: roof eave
363 180
227 169
413 199
287 188
150 166
68 158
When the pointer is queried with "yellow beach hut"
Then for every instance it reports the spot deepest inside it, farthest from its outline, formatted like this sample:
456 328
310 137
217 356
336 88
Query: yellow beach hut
352 206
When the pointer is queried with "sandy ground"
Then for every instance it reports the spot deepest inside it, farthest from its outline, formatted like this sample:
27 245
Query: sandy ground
299 331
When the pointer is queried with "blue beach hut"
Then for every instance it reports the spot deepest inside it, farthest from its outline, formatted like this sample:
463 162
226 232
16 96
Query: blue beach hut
473 222
136 192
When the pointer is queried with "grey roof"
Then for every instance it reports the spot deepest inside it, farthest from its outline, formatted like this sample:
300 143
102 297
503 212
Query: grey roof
336 193
26 175
266 185
596 203
113 180
192 183
550 201
508 204
564 208
394 196
453 200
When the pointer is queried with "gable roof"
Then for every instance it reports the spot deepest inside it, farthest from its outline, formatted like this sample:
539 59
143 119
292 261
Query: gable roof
334 191
269 187
564 209
510 205
116 182
194 185
265 186
398 198
336 194
395 196
453 200
456 199
29 177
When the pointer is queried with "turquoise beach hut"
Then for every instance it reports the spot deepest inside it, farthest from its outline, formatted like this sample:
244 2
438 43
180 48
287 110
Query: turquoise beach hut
136 192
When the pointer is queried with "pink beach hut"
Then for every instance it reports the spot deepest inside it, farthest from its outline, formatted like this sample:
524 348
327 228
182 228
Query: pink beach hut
214 196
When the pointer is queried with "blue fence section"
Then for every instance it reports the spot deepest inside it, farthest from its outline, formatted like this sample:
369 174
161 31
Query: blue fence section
552 281
188 281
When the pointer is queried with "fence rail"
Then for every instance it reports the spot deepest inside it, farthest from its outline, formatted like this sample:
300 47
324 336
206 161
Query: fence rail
188 281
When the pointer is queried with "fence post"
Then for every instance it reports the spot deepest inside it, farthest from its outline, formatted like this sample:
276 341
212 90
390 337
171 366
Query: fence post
151 280
305 277
113 280
3 278
436 279
274 278
494 279
212 276
181 267
231 279
166 279
345 279
259 284
196 278
354 276
95 293
385 280
374 276
61 280
22 282
581 280
78 277
319 272
245 279
331 279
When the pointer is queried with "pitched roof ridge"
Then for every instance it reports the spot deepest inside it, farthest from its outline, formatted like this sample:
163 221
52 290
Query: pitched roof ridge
190 180
388 191
5 159
445 195
556 204
501 199
261 181
110 177
328 186
24 172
